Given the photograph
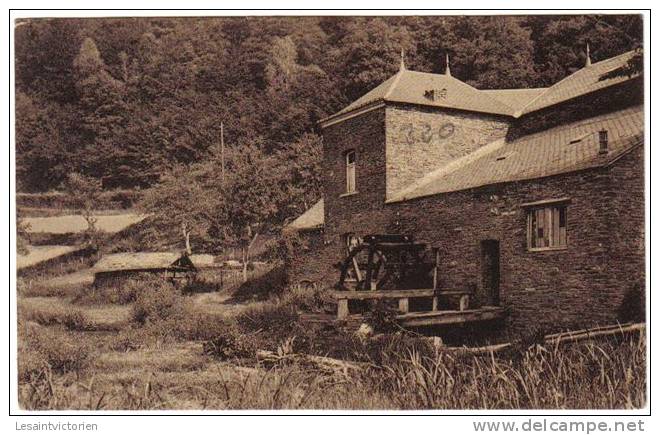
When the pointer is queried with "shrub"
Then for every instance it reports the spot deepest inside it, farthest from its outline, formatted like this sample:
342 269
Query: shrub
314 299
56 348
229 343
268 317
159 301
121 292
382 317
56 316
201 327
271 283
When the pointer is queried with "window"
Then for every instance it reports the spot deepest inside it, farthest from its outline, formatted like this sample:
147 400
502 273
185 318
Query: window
546 227
350 171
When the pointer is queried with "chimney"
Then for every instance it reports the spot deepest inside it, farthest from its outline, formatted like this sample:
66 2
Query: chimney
602 141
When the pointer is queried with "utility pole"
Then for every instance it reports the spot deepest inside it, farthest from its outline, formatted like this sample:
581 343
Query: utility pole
222 149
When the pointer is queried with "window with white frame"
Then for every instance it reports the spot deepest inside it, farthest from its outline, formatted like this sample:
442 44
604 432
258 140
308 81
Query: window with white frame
350 171
546 227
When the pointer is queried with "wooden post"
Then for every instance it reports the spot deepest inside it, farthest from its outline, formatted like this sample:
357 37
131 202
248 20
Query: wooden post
403 305
342 308
435 279
369 275
464 302
435 269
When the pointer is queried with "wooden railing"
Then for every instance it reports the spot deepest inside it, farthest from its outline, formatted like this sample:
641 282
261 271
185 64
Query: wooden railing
403 297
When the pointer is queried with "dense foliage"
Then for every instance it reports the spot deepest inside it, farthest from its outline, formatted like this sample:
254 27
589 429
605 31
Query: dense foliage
122 100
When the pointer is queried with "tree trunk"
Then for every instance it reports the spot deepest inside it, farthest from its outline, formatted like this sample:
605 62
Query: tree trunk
245 262
186 236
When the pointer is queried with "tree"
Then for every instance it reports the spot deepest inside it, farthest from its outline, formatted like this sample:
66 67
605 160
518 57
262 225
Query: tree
86 190
102 108
22 236
229 212
124 100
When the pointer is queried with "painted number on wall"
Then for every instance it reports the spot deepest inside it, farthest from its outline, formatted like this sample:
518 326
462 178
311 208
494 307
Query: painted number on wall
424 132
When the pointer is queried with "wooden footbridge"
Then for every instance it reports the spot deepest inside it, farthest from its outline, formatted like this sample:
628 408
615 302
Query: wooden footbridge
394 267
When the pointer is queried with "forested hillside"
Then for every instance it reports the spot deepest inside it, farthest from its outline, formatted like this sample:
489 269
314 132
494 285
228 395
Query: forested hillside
126 100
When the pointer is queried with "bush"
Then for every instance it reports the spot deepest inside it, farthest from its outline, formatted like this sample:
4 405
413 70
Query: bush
159 301
271 283
314 299
56 348
382 317
230 343
56 316
268 317
121 292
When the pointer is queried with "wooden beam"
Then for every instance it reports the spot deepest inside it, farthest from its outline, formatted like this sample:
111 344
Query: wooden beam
453 293
449 317
384 294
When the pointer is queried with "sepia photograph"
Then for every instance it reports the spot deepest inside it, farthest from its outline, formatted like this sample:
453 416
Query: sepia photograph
360 212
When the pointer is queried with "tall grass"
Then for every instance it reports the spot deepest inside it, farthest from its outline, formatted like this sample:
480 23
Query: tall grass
59 368
606 375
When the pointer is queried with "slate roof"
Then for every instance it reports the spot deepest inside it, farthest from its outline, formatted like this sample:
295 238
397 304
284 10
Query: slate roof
410 87
312 219
565 148
515 98
128 261
582 81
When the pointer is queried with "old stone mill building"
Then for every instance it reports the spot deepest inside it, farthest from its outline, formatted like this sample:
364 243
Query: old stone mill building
529 200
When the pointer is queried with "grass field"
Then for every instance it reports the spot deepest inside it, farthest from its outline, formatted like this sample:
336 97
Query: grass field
153 348
64 224
37 254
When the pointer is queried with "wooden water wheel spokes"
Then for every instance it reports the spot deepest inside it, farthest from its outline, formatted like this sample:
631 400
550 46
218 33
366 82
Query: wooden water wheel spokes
389 259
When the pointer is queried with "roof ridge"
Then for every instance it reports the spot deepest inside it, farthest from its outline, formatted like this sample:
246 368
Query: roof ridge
395 82
513 89
555 85
494 100
547 90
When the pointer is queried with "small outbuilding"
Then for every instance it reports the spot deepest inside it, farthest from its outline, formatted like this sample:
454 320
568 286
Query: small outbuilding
174 266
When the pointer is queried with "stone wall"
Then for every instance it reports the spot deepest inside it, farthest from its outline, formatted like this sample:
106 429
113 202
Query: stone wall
352 213
422 139
581 286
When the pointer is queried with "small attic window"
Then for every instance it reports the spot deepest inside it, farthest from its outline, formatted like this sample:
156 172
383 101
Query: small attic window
436 94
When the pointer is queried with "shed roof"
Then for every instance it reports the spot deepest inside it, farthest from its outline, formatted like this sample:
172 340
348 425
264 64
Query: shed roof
561 149
313 218
130 261
582 81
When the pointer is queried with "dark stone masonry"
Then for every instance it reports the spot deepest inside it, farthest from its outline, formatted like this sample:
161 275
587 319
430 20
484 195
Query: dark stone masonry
588 282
